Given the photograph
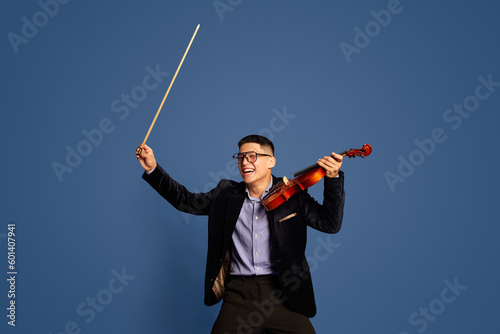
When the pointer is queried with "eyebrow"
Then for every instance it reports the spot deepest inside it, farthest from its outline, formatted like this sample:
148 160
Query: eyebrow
252 152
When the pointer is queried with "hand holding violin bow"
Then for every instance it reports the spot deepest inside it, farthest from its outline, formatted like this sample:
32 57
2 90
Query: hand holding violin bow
146 157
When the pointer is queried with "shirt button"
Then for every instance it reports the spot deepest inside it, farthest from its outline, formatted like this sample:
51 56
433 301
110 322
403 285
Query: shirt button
256 235
256 217
256 253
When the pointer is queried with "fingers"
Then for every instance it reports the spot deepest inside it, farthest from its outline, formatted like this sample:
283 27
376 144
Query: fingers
145 155
331 164
138 152
337 157
143 151
333 160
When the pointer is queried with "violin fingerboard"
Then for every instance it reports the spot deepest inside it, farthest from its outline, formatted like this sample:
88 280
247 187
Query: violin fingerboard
273 188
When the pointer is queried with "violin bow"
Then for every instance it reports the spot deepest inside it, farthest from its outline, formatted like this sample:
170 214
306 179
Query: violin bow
166 94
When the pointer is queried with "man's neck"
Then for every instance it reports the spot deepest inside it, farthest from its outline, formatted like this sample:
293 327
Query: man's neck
256 190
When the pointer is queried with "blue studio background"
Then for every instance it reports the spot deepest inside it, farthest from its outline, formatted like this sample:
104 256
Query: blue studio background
98 251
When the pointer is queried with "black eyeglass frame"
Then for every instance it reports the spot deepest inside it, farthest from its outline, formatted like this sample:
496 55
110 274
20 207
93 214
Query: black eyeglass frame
244 155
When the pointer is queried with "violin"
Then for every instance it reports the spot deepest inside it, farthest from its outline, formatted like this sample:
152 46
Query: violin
303 179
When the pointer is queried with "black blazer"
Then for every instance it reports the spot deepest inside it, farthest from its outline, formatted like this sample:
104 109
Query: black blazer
288 224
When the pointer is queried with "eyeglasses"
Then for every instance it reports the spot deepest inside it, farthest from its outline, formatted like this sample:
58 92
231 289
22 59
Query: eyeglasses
250 156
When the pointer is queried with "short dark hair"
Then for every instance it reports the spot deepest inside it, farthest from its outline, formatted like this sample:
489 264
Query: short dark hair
258 139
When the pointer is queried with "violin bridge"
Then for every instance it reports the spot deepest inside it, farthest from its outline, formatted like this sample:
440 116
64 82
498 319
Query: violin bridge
285 180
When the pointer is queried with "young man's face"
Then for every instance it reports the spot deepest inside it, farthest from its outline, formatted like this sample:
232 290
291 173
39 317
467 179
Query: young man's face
259 170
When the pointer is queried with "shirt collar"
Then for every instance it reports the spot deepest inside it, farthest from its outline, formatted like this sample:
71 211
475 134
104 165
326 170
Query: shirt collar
253 199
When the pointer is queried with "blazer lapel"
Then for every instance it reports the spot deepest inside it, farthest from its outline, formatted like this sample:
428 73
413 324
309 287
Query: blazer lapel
234 207
234 204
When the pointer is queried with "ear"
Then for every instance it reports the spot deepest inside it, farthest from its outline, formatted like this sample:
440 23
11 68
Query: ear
272 162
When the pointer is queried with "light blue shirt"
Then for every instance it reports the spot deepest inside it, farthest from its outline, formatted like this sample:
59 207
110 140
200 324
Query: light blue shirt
252 252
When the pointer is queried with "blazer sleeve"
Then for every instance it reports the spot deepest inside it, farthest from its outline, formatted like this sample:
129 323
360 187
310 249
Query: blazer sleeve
177 195
327 217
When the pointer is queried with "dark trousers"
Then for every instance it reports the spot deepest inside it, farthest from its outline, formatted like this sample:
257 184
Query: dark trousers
256 305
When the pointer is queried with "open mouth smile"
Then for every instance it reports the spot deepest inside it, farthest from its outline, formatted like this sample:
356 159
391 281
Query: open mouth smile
248 171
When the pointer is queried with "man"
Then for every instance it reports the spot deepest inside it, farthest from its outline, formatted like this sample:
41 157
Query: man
256 258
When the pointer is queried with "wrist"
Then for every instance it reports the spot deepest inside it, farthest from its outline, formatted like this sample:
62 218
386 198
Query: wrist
150 170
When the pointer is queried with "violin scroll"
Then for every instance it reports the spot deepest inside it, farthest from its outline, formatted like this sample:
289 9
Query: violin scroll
362 152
